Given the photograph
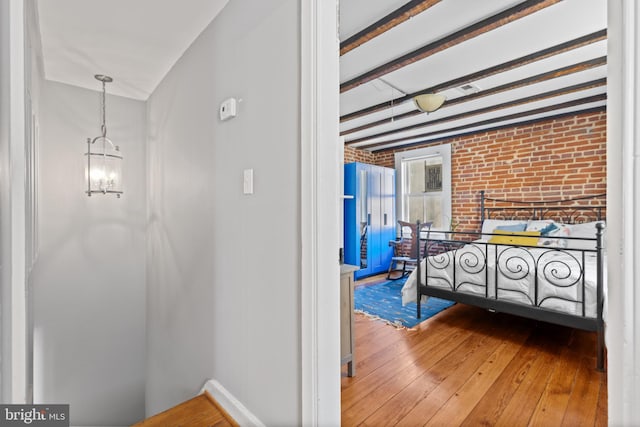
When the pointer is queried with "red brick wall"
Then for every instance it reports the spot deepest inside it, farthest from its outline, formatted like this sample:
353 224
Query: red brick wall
354 155
552 159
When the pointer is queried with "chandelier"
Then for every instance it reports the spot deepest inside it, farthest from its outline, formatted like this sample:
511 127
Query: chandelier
104 162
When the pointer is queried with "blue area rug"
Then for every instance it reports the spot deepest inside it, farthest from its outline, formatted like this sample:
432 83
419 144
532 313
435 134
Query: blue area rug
384 301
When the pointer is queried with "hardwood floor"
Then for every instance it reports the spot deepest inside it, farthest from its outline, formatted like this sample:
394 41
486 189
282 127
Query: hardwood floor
200 411
467 366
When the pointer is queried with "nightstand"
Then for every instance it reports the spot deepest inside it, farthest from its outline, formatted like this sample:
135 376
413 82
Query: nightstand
347 337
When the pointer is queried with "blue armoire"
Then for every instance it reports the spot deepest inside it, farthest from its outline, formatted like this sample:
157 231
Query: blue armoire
369 217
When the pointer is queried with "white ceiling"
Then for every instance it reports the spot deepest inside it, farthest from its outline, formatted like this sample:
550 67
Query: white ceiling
136 42
543 29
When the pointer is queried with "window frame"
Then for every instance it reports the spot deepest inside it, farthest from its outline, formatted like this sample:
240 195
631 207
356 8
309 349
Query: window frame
444 151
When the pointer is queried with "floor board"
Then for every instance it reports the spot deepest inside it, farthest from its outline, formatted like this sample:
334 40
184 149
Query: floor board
467 366
202 410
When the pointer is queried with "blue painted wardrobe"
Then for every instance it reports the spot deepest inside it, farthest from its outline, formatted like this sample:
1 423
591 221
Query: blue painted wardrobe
369 217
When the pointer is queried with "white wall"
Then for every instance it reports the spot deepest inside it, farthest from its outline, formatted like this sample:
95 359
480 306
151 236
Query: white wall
223 267
89 279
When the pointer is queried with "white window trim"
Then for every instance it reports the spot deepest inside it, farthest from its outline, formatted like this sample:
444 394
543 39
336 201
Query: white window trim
443 150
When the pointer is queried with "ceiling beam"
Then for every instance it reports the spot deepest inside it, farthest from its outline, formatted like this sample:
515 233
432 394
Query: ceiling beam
549 75
491 23
521 101
587 100
397 17
487 72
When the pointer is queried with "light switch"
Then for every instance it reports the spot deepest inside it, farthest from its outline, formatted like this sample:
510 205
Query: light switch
248 181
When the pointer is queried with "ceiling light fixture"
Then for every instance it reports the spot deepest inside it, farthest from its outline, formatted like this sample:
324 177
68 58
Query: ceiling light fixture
429 102
104 164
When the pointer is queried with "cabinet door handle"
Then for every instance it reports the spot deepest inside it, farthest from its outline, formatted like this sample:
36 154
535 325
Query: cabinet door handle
385 219
368 219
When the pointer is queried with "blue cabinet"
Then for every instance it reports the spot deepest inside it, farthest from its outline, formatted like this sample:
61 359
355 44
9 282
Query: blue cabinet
369 217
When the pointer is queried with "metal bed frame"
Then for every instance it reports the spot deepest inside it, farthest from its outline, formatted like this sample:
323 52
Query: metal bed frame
568 211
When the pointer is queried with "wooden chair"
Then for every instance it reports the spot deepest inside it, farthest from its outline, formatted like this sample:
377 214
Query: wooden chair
399 253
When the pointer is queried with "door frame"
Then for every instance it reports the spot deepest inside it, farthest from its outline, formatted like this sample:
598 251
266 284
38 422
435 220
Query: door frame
320 198
623 212
14 357
320 390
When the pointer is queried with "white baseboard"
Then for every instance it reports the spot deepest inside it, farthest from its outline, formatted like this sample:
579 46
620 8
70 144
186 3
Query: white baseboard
233 406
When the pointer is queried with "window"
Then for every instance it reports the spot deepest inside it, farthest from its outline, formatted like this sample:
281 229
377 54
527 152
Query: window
424 185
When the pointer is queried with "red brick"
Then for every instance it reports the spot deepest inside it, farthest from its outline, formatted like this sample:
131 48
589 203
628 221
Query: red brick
554 159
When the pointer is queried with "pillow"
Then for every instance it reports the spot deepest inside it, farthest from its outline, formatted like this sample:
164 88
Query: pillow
549 229
525 238
491 224
585 230
549 238
512 227
540 225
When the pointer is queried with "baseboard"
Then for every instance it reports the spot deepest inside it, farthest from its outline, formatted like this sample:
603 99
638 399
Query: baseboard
229 403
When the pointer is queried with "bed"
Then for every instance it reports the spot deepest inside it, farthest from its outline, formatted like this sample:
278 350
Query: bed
543 260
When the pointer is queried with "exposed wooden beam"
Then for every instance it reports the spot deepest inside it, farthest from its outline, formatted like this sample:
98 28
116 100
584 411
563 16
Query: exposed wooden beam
380 122
541 110
523 9
500 68
564 71
560 72
521 101
516 116
383 25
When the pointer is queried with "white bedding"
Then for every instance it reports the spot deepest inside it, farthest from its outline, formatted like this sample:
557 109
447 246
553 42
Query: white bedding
559 274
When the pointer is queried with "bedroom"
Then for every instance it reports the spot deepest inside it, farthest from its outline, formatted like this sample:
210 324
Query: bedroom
192 271
532 134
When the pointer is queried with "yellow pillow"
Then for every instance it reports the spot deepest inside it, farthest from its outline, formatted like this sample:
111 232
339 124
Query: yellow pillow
520 238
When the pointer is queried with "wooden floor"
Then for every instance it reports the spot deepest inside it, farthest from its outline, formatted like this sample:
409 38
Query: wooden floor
200 411
467 366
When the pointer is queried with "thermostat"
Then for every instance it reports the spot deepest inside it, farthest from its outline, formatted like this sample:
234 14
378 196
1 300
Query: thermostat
228 108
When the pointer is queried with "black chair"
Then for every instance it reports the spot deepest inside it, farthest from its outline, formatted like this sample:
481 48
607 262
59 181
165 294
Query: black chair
400 253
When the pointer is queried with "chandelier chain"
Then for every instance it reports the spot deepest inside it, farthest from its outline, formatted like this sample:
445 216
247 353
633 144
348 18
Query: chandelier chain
103 128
